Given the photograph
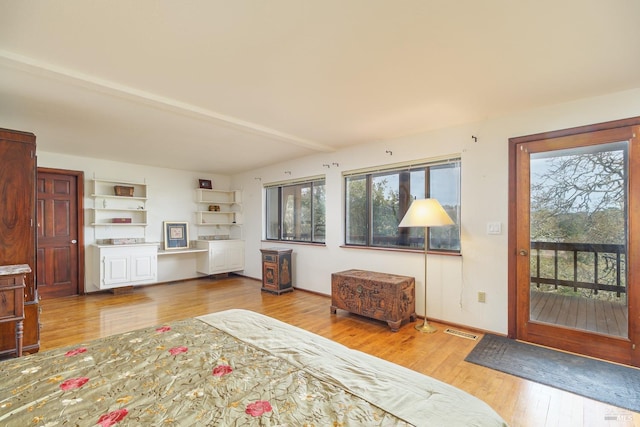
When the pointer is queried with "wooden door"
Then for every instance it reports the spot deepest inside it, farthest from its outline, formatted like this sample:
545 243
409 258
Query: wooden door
574 200
59 233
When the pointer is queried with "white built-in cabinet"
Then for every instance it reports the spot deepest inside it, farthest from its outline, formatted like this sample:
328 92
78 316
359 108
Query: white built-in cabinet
221 256
125 265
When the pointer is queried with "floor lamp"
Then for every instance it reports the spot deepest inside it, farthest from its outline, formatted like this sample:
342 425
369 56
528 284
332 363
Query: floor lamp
425 213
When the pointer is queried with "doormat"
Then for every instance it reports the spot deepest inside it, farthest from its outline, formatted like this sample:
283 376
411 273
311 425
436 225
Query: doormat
606 382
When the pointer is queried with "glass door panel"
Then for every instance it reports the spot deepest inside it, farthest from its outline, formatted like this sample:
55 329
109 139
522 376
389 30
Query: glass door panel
578 238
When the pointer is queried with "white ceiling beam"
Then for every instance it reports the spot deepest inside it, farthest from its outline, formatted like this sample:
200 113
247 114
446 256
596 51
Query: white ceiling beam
39 68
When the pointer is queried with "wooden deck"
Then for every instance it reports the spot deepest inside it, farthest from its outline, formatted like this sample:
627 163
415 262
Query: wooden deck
605 317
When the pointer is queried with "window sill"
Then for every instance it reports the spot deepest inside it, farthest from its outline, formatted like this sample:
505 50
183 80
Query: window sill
291 242
417 251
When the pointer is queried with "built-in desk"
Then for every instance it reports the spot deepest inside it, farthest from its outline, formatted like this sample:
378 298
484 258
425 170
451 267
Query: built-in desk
181 251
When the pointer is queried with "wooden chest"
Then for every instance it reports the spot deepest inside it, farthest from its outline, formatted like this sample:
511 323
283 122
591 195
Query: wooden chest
380 296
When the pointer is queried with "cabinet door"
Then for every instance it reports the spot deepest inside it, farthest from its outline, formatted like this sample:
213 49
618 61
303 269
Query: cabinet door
17 204
143 267
235 257
217 259
116 269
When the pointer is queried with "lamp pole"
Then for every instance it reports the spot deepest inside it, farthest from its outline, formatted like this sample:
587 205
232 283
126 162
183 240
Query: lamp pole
425 327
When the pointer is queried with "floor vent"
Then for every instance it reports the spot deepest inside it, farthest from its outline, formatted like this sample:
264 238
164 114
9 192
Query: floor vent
461 334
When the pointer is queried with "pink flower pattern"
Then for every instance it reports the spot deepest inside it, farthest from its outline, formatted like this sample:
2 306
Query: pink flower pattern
163 329
177 350
75 352
222 370
258 408
112 417
72 383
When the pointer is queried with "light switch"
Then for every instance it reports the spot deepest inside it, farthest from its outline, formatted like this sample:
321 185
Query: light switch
494 228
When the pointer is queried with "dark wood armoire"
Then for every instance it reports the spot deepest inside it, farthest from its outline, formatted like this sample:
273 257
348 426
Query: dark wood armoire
18 229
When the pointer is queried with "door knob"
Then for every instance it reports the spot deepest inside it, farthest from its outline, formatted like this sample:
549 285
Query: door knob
524 252
74 241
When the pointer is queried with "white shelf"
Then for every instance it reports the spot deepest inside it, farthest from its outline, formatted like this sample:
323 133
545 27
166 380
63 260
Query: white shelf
120 209
105 188
219 212
108 206
110 196
118 224
217 218
219 196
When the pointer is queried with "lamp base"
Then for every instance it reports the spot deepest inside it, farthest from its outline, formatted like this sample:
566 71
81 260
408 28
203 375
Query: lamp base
426 328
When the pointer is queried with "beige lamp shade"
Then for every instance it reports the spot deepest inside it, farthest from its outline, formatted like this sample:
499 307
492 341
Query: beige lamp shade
425 213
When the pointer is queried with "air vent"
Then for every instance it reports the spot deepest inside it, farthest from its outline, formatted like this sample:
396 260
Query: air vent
461 334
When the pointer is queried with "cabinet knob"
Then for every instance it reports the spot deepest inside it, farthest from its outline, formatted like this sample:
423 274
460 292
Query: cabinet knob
74 241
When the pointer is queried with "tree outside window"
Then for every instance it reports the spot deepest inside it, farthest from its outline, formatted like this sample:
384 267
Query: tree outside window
376 202
296 212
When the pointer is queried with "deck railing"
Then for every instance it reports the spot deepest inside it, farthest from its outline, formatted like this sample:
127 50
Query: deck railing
613 255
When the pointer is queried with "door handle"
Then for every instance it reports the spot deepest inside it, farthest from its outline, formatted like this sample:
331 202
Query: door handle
74 241
524 252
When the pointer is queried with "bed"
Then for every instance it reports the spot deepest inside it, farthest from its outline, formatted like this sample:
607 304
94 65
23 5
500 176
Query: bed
232 368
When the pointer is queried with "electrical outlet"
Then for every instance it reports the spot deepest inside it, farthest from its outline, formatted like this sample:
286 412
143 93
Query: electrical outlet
482 297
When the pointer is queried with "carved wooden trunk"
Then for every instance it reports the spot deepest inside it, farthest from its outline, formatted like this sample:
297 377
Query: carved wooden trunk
380 296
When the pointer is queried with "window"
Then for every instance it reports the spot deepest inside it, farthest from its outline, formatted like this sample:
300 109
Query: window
376 201
296 211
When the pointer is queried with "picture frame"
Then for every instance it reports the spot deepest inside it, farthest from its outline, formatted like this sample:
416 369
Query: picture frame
176 235
205 184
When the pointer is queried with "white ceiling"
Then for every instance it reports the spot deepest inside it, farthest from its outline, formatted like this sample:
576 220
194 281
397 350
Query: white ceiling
225 86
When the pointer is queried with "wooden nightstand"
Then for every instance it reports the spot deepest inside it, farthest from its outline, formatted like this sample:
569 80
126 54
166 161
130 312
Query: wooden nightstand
12 298
276 270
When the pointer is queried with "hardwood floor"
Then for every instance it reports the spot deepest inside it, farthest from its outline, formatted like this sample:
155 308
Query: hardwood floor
72 320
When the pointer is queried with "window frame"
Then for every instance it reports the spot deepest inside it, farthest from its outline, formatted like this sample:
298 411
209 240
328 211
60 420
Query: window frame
404 200
281 187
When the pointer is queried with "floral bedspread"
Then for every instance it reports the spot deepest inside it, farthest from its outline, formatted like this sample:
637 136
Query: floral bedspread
231 368
187 373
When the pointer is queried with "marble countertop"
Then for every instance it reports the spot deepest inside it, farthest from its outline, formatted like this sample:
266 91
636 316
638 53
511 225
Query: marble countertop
124 245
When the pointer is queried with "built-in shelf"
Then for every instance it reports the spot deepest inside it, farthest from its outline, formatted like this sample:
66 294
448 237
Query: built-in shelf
220 212
127 214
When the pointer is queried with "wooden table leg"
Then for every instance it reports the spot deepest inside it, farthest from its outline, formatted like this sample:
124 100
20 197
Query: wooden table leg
19 336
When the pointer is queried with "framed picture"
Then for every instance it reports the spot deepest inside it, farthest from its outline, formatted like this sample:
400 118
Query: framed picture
206 183
176 235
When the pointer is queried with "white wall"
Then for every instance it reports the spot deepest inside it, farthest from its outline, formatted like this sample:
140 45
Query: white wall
454 281
171 197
